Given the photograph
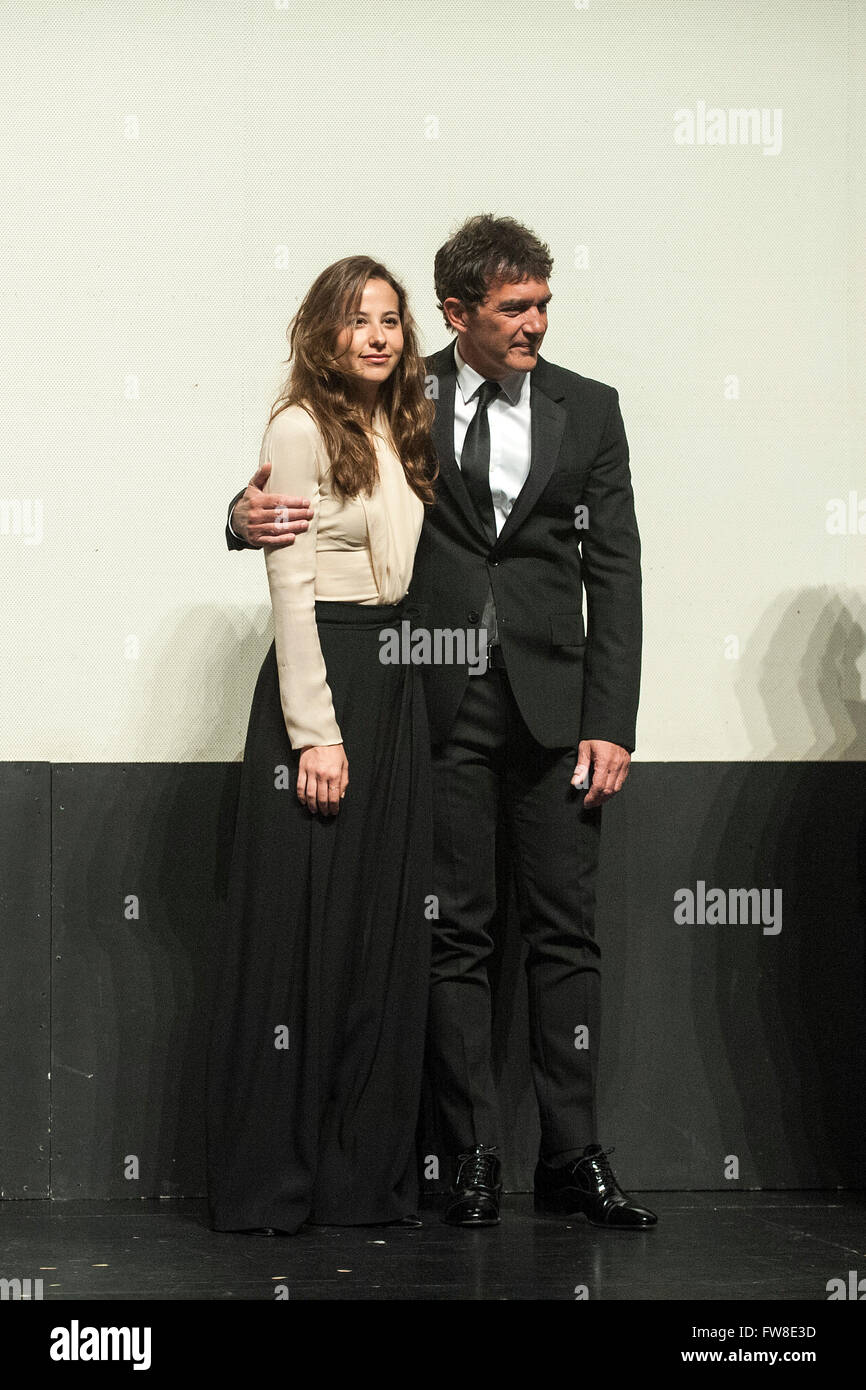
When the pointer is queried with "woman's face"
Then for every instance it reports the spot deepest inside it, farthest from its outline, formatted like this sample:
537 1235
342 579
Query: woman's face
372 348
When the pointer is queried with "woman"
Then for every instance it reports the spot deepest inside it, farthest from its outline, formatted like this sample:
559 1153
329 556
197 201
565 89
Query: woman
314 1070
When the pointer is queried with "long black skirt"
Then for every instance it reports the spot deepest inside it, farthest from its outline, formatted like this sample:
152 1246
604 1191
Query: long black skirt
317 1035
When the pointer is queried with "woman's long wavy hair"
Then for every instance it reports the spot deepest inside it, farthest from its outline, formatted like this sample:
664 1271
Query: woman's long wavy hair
322 385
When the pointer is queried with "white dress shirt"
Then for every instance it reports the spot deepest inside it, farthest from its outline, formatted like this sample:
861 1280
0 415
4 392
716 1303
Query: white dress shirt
510 438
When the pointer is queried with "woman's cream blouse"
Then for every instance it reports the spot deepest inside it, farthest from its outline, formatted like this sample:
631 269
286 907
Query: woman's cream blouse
356 550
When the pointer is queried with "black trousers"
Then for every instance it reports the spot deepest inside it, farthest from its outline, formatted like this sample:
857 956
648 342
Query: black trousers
490 764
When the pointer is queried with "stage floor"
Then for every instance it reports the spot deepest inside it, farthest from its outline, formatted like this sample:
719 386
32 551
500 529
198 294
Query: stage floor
707 1245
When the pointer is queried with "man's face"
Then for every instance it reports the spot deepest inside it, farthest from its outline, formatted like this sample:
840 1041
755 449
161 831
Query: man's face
504 333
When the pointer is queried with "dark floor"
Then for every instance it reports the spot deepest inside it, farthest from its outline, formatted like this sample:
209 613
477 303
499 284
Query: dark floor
740 1246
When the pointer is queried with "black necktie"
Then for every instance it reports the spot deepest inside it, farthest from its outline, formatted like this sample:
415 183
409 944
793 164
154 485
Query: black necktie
475 458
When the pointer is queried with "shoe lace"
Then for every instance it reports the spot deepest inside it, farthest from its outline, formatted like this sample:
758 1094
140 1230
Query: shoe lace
475 1169
598 1163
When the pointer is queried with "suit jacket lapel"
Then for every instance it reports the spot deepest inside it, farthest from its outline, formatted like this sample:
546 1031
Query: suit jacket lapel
548 423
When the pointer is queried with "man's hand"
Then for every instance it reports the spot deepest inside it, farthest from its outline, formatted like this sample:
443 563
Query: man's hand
610 765
267 518
323 776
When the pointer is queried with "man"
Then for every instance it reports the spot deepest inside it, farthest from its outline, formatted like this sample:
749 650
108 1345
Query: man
534 504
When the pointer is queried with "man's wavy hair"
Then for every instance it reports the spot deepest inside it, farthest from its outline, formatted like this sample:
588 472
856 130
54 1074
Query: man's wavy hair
322 385
484 249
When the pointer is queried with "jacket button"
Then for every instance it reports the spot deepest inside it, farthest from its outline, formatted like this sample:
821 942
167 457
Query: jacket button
473 616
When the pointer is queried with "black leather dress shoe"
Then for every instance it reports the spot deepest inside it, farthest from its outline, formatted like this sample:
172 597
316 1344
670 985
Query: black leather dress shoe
587 1185
474 1198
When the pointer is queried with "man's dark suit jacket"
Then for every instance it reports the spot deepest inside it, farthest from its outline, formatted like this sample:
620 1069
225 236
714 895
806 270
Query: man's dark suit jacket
569 684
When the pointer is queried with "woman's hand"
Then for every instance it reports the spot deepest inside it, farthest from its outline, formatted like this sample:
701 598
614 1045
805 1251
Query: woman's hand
323 776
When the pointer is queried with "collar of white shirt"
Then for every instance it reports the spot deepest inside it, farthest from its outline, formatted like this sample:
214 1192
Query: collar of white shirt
469 381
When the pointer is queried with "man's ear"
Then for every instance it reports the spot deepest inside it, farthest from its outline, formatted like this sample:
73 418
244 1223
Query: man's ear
457 314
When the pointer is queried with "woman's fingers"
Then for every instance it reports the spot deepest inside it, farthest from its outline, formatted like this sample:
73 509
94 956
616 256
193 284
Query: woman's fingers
322 793
333 796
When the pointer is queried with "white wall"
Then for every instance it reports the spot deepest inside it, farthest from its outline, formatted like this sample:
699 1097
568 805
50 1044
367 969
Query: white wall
158 157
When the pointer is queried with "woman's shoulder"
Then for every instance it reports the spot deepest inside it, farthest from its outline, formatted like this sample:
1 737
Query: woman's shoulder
294 422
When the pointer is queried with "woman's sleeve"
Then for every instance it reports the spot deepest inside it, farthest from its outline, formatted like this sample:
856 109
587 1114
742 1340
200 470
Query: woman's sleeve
293 447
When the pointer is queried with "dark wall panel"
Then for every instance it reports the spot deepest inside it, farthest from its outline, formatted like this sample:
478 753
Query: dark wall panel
731 1055
131 992
25 953
729 1039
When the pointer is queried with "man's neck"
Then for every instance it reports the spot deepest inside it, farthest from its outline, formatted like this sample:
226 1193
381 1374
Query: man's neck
463 353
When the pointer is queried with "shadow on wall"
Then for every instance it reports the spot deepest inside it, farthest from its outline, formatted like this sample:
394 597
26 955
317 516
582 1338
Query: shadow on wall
785 1049
198 703
799 686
